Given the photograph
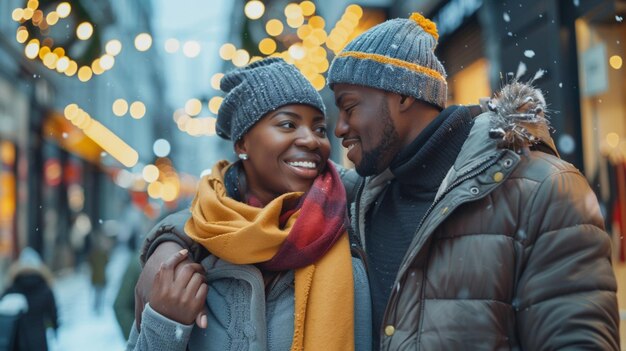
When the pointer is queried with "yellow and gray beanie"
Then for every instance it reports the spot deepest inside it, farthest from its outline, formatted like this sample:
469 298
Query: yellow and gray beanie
255 90
398 56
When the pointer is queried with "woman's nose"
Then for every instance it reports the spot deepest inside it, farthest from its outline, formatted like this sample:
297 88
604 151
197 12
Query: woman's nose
307 138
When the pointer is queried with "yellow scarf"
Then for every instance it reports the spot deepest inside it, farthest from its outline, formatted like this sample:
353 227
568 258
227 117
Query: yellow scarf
243 234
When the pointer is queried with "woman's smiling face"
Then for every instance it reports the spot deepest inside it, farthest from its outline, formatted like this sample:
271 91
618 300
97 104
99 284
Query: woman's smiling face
287 149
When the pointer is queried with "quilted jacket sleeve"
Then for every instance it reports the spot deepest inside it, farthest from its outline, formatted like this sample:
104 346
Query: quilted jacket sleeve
566 292
171 228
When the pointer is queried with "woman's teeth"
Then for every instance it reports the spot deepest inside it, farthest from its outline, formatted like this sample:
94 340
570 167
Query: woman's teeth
303 164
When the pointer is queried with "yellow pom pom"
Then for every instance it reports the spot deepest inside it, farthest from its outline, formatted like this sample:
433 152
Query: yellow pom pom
428 25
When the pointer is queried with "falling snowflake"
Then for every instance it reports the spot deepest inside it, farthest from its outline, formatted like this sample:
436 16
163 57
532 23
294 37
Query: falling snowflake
506 17
576 3
619 18
561 85
510 34
529 53
64 135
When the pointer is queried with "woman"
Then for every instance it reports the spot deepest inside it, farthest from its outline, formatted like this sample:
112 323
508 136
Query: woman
279 274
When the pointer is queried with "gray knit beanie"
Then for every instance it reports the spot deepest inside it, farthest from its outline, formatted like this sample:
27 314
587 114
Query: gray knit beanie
255 90
397 56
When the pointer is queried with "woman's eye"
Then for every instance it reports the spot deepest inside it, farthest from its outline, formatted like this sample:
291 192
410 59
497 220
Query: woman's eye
321 131
287 124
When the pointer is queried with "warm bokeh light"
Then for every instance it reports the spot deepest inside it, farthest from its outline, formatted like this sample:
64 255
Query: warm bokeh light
113 47
296 51
60 52
43 51
84 73
7 152
615 61
241 58
171 45
32 4
254 9
70 111
28 13
22 35
111 143
120 107
295 22
143 42
169 191
317 22
96 67
191 48
107 61
150 173
50 60
274 27
155 189
227 51
308 8
293 10
71 69
356 9
84 31
215 103
267 46
64 9
193 107
215 80
37 18
161 148
318 82
17 14
137 110
31 50
63 64
612 139
52 18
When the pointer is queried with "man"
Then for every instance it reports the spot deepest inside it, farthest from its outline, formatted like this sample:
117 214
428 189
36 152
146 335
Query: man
477 236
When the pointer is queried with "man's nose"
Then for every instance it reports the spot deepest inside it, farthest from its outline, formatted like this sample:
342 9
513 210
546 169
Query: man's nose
341 128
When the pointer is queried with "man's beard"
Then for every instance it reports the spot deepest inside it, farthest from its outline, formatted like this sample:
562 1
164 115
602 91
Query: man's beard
373 162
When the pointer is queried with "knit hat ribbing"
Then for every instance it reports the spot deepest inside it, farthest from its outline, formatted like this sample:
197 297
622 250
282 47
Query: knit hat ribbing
255 90
397 56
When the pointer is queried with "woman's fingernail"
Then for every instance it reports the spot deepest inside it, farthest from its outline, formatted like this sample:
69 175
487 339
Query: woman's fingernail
203 322
183 252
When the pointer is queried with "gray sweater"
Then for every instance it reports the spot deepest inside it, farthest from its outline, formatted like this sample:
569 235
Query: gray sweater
243 314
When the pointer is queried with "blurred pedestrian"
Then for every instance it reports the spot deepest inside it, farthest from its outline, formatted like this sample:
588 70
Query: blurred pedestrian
124 305
272 226
30 296
98 259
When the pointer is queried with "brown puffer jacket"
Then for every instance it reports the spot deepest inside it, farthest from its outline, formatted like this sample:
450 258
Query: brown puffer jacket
512 255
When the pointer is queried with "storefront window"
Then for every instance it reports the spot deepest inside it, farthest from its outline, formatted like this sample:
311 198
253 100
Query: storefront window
470 84
600 43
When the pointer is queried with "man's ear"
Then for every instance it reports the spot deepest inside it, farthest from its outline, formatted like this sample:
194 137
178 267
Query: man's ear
405 102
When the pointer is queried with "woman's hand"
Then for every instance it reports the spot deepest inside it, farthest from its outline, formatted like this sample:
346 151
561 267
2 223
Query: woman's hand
179 294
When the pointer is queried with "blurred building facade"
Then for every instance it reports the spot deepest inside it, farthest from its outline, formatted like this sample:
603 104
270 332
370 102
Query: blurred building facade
58 184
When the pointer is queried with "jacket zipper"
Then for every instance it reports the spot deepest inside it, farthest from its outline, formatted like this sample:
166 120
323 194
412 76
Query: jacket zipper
465 176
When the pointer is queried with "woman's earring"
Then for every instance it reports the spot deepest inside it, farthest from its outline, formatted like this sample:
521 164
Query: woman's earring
243 157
